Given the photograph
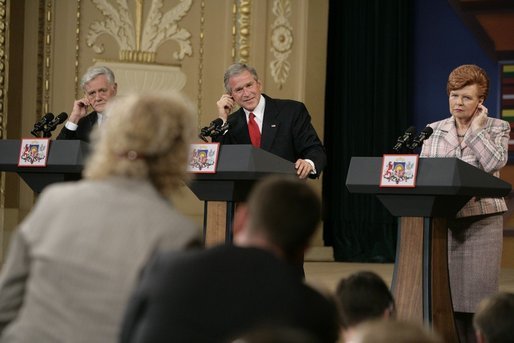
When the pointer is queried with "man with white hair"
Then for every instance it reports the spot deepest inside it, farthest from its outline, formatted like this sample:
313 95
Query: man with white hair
99 86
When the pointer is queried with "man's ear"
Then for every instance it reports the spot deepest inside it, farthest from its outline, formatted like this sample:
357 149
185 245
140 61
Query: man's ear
240 219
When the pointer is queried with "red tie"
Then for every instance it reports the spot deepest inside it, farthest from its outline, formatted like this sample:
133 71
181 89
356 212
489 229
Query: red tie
253 129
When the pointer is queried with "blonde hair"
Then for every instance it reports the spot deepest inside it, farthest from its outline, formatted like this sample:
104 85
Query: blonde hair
466 75
146 136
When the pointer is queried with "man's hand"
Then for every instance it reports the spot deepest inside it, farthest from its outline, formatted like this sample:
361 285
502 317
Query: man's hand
303 168
225 105
79 110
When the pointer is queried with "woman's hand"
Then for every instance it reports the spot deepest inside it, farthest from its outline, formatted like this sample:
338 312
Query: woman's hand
479 118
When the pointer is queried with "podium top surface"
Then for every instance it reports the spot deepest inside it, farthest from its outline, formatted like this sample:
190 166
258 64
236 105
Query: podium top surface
245 162
435 176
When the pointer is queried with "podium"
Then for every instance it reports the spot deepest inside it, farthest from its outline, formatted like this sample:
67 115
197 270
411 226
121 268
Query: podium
239 167
65 162
443 185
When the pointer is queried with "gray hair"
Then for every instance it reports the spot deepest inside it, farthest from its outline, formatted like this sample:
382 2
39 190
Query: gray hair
96 71
236 69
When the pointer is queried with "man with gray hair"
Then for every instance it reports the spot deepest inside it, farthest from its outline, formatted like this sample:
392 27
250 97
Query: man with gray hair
99 86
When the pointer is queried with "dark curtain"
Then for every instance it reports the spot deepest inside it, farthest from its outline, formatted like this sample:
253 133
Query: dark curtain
366 109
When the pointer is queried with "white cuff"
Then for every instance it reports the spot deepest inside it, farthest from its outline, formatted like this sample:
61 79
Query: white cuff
71 126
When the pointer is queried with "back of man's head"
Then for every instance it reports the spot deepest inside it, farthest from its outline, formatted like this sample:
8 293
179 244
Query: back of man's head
286 211
363 296
494 318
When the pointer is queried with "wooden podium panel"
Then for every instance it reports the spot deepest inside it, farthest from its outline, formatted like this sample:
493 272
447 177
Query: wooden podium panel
215 228
421 285
408 272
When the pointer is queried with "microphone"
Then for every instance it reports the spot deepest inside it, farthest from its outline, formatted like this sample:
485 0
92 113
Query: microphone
56 121
424 134
405 139
41 123
214 128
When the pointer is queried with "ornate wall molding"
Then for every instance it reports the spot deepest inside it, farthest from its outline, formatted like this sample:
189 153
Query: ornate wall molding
243 30
200 62
3 67
281 41
138 43
234 31
77 49
47 54
3 106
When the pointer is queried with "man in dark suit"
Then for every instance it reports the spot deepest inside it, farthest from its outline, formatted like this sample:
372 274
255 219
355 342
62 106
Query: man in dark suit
223 292
282 127
99 86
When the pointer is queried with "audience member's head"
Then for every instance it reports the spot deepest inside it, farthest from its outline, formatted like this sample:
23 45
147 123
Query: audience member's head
393 331
146 137
363 296
494 319
281 214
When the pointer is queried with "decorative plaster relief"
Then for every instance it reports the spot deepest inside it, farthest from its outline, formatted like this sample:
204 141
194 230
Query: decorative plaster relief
281 41
138 43
136 77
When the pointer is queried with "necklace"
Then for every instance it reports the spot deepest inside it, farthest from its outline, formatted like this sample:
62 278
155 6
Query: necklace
461 136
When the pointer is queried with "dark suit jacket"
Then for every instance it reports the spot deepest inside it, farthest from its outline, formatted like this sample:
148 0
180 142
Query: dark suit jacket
217 294
85 126
286 132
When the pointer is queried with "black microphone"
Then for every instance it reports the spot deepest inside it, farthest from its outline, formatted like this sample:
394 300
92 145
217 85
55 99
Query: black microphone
56 121
424 134
404 140
213 128
40 124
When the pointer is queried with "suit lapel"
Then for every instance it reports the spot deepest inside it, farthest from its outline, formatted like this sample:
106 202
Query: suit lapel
270 124
451 132
93 119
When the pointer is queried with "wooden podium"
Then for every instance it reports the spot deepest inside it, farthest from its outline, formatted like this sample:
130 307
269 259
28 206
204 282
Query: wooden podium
65 162
420 280
239 167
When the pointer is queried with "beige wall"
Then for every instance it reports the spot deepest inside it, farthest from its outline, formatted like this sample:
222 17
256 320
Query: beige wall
56 52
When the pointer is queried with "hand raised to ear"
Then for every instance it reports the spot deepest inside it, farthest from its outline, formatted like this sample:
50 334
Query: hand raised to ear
480 118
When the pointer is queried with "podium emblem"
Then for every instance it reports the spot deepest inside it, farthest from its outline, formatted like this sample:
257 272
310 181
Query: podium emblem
203 158
33 152
399 170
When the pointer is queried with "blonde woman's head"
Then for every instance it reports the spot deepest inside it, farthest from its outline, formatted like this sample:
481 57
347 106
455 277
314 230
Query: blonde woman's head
146 136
